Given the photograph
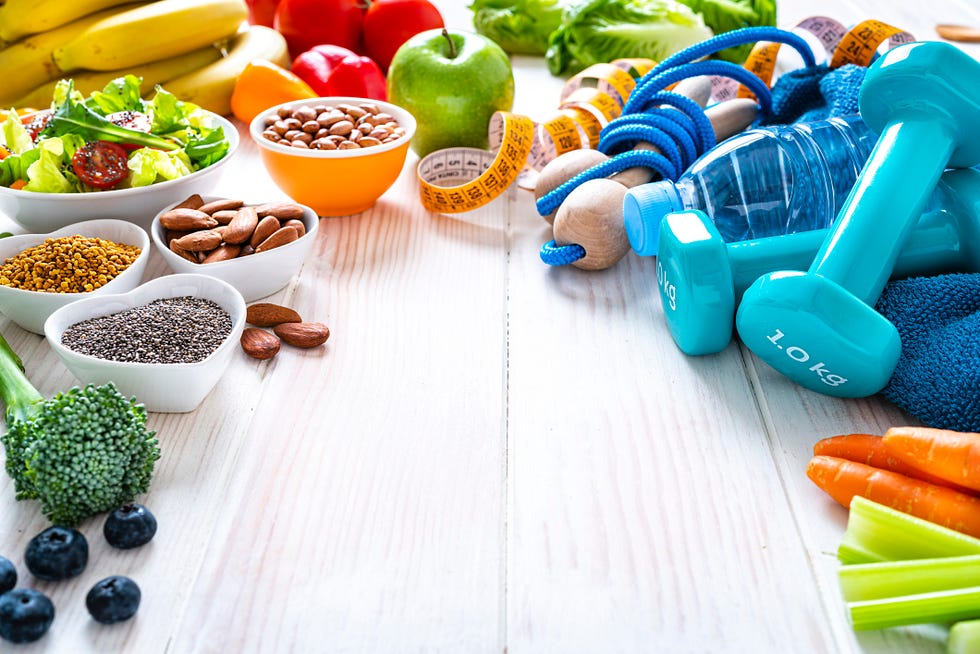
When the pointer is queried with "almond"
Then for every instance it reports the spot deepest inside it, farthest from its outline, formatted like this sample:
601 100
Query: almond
266 314
303 334
221 205
281 210
296 224
192 202
223 252
224 216
200 241
279 237
184 219
242 226
259 344
171 234
179 251
266 228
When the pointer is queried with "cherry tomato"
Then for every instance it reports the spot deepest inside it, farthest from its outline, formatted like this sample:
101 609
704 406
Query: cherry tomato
101 164
306 23
389 23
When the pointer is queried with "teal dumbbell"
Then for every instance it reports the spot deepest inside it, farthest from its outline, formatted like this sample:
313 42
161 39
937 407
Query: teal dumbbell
702 278
819 327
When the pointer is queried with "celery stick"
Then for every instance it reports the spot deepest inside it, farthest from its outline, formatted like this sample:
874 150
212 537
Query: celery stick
878 533
964 638
870 581
941 606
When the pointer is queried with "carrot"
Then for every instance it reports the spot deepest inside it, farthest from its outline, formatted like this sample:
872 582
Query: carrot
843 480
871 450
18 184
950 455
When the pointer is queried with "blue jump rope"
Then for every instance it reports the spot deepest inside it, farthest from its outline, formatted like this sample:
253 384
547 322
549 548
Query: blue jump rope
682 135
937 380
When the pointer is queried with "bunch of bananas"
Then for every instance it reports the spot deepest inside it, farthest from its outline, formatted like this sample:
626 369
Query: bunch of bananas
194 48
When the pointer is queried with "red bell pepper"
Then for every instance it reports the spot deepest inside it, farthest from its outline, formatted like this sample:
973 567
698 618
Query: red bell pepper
332 70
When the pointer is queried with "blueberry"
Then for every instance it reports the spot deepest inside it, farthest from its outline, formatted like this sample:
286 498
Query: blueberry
57 553
8 575
113 599
25 615
131 525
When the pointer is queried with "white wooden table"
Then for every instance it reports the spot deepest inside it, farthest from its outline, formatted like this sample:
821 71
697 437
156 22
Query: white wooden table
490 455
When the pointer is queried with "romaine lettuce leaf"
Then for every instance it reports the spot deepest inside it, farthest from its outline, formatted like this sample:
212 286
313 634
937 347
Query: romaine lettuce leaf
518 26
602 30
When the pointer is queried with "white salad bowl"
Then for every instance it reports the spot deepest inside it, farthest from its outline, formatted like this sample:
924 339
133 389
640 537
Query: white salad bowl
161 387
30 309
44 212
256 275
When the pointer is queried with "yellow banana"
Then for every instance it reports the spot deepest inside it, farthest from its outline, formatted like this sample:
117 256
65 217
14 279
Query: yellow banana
161 29
27 63
18 18
211 86
153 73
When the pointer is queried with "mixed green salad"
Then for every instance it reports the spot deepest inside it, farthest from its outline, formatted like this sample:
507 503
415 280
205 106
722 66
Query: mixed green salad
110 140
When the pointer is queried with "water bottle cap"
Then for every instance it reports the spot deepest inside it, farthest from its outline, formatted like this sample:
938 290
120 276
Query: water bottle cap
644 207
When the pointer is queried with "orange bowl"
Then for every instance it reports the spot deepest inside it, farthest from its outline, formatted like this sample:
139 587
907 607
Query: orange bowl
334 182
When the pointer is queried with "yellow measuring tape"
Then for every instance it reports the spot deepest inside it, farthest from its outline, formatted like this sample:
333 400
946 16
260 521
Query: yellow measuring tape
455 180
462 179
857 45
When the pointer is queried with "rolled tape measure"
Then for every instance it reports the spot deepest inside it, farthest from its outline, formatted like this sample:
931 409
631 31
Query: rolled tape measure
861 43
857 45
455 180
462 179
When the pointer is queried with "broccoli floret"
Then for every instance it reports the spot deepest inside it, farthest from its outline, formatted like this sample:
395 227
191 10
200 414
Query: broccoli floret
81 452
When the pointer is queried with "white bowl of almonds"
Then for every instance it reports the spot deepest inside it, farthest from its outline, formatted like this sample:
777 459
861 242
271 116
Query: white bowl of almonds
257 247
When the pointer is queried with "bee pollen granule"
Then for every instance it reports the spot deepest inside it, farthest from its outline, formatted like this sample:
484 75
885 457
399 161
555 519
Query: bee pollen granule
68 264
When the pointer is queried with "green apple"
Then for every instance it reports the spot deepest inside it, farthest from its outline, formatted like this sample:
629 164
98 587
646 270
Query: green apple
452 82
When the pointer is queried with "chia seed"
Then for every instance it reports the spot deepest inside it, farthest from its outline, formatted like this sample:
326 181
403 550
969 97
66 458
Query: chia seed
169 330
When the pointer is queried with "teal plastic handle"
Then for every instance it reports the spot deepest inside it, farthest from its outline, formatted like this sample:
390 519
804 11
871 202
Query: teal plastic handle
701 278
819 327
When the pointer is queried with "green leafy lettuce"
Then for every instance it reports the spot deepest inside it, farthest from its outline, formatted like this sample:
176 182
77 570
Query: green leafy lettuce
599 31
518 26
581 32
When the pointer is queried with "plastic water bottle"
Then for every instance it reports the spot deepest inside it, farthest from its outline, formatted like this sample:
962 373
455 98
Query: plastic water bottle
762 182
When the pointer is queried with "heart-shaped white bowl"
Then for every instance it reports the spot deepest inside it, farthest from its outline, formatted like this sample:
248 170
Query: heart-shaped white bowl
30 309
161 387
256 275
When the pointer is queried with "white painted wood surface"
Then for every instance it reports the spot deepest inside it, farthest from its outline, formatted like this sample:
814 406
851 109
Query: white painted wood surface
489 455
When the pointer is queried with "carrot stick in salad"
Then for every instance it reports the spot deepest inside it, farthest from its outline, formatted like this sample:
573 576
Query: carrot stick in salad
950 455
843 480
871 450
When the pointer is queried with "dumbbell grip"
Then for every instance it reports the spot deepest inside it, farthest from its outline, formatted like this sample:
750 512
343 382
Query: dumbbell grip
882 208
934 246
751 259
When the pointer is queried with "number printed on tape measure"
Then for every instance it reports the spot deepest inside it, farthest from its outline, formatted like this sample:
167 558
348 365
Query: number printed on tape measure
463 179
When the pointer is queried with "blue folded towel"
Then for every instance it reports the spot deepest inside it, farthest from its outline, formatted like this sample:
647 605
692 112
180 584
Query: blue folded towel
815 93
937 379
